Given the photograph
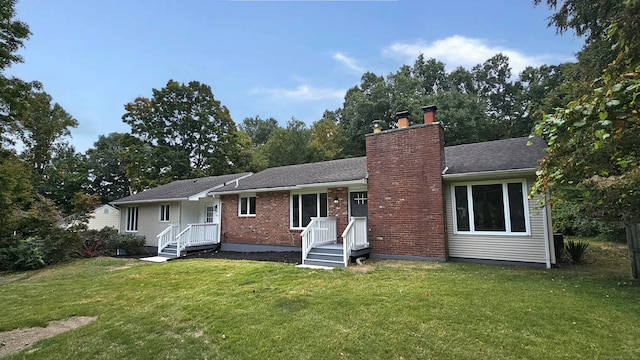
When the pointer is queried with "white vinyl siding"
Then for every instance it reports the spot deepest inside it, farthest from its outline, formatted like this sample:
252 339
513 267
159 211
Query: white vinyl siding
529 247
104 216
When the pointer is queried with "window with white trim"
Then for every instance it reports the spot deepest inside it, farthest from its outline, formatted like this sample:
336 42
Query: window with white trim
132 219
491 208
210 213
306 206
247 205
164 213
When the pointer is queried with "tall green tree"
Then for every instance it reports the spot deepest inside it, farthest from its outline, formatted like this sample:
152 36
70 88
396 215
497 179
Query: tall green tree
13 91
106 170
258 129
290 145
189 132
43 127
326 138
593 140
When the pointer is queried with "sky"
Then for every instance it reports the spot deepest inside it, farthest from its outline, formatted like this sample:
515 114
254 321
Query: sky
279 59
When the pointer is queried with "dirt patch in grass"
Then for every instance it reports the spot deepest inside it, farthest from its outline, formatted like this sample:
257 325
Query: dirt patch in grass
360 269
8 279
116 268
16 340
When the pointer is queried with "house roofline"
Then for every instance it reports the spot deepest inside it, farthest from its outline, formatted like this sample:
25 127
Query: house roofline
194 197
146 201
295 187
202 194
490 174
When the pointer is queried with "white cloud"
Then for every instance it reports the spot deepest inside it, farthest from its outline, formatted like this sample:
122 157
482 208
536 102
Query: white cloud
458 50
303 93
349 62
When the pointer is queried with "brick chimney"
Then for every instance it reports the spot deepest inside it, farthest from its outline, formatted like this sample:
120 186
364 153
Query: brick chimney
405 191
403 119
429 114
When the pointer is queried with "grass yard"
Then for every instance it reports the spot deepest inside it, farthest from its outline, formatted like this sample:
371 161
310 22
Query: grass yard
229 309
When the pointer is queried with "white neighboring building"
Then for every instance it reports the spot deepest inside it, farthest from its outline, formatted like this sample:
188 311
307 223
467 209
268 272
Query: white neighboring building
104 216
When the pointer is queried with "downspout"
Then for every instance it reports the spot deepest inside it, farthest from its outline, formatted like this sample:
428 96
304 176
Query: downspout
547 250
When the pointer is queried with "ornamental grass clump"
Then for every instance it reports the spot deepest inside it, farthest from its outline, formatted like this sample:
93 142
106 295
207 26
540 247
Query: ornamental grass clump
576 250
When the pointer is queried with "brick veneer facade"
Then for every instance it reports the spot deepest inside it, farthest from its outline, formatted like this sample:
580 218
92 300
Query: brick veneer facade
271 225
405 194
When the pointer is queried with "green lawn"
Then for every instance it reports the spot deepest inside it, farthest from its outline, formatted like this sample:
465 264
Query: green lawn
192 309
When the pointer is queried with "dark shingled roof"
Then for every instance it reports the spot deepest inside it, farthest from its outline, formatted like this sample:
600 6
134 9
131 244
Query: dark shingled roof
303 174
509 154
499 155
180 189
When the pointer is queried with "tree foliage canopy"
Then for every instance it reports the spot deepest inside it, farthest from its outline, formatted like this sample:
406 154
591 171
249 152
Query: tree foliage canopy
480 104
186 130
593 140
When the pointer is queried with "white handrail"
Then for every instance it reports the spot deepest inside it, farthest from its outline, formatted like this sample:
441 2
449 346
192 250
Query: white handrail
321 230
167 236
196 234
355 236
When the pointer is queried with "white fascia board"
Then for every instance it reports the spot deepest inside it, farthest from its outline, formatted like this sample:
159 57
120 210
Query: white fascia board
333 184
490 174
295 187
146 201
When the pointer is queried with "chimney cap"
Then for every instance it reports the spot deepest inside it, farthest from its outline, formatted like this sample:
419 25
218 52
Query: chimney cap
429 108
402 114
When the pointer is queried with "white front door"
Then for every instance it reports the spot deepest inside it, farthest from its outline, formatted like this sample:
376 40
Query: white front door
212 212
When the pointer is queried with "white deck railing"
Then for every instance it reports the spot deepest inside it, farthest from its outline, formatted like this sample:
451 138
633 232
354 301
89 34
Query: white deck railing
355 236
192 235
196 234
167 236
321 230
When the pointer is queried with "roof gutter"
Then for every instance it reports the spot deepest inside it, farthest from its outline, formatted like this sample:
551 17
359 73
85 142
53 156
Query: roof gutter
146 201
294 187
490 174
203 194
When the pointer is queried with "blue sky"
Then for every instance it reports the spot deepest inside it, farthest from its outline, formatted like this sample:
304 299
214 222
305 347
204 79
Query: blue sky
278 59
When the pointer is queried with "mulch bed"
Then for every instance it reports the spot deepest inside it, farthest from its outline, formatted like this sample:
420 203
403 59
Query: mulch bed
291 257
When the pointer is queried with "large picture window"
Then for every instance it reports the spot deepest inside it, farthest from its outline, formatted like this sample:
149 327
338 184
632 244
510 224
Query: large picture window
306 206
247 206
484 207
132 219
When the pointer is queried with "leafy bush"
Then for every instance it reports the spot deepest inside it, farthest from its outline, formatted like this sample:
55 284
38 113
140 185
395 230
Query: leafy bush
58 245
94 242
576 250
131 244
19 255
570 220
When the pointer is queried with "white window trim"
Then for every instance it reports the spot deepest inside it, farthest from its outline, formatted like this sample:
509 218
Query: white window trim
299 193
507 210
206 208
162 207
127 223
246 196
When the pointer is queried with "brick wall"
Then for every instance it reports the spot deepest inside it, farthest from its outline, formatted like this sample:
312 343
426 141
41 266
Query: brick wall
270 226
405 194
341 209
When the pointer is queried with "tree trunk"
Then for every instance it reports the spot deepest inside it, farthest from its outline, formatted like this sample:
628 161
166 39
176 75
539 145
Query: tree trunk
633 240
